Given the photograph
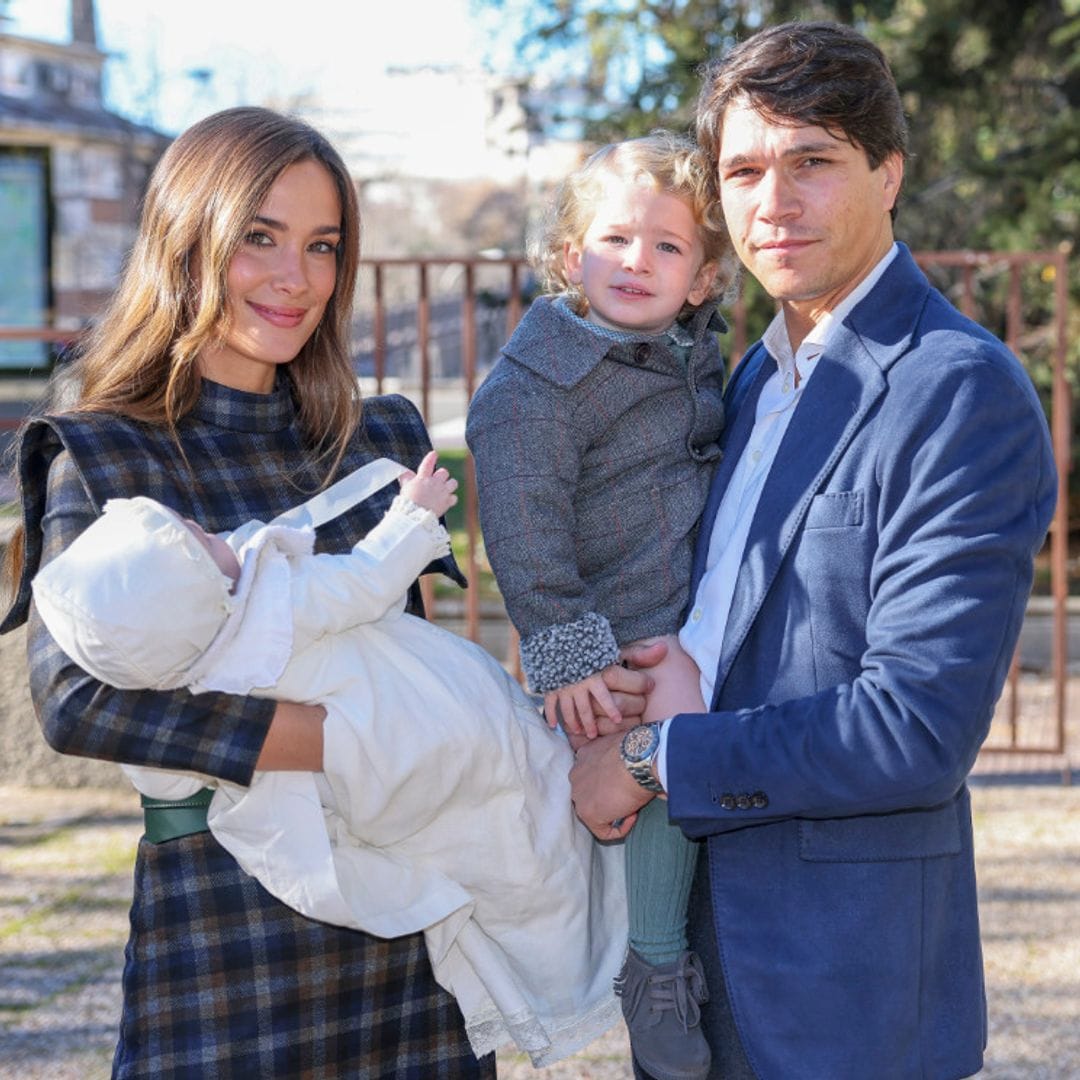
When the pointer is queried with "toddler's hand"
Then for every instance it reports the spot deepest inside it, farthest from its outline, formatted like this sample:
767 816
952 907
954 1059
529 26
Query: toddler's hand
431 488
579 707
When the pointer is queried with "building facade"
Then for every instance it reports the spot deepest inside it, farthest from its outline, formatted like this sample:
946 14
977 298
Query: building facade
71 177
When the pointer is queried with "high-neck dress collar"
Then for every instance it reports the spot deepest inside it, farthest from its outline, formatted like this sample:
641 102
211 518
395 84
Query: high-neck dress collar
239 410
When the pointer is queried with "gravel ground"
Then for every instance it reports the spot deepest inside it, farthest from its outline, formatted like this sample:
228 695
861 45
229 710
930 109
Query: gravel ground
65 880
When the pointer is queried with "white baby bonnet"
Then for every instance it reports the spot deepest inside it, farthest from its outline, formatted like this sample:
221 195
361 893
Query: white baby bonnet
137 602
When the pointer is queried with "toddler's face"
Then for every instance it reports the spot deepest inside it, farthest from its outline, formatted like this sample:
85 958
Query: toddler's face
224 557
641 258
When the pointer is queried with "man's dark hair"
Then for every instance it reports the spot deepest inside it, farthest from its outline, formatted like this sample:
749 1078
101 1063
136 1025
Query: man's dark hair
817 74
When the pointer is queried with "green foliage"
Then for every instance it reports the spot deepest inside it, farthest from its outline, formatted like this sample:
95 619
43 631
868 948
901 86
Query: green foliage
991 88
631 65
455 461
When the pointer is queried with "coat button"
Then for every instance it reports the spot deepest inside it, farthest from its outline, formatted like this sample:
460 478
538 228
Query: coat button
743 802
760 800
727 801
641 353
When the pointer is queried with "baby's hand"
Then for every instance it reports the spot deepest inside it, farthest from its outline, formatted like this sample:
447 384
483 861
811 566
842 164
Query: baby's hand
431 488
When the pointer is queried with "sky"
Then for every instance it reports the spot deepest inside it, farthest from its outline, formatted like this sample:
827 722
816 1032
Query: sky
256 51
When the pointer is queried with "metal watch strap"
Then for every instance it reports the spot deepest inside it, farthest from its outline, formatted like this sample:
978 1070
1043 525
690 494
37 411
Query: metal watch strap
640 768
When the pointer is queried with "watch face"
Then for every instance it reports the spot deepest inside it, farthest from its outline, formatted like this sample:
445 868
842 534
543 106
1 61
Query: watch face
639 742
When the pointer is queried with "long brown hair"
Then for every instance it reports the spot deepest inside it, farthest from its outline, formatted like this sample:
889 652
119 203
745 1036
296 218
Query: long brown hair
140 360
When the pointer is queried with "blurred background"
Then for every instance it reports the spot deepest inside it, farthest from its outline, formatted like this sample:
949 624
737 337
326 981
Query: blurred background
457 118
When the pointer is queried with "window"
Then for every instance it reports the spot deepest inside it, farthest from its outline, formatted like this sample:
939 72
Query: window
24 240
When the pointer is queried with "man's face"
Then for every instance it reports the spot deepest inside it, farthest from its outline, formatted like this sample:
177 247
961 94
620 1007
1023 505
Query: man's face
807 215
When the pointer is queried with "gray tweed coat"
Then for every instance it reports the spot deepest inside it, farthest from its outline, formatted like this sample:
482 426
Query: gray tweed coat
593 461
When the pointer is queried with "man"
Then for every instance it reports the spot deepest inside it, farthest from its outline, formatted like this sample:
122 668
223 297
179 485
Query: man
859 585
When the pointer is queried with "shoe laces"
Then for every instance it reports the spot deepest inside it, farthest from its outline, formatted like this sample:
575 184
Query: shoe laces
682 989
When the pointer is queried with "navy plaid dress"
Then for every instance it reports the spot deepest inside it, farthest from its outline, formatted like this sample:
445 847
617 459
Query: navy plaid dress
220 978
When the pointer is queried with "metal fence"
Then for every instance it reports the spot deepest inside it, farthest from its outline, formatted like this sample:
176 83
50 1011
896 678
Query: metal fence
431 327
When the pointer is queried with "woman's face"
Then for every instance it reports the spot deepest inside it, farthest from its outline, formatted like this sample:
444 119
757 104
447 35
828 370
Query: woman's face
279 281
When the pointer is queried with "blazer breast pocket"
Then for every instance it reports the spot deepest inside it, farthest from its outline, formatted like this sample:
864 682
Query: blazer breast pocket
835 510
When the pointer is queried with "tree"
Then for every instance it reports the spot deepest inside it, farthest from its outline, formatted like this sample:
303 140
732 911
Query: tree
629 65
991 88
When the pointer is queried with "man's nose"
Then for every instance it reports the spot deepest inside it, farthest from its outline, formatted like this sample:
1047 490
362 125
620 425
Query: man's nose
777 199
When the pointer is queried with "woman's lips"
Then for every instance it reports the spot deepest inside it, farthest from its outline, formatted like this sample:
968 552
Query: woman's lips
285 318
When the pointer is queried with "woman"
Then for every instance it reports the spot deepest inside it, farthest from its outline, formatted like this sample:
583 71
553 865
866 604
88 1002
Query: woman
218 383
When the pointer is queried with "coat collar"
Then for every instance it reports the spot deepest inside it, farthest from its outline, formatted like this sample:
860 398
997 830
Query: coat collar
851 377
563 350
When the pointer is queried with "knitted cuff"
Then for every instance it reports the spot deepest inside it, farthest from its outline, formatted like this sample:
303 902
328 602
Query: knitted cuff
568 652
424 517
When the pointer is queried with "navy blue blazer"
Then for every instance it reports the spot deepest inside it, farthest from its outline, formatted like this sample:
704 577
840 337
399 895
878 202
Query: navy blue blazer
874 618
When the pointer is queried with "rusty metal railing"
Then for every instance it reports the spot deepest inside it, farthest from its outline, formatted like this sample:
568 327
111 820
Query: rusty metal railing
1053 268
418 330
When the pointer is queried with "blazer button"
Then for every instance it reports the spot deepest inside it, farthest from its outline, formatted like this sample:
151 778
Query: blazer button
743 802
641 353
760 800
727 801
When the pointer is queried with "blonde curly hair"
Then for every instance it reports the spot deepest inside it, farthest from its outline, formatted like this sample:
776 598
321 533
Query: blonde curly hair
665 160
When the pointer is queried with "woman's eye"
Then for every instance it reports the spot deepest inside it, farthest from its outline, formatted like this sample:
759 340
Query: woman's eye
324 247
259 238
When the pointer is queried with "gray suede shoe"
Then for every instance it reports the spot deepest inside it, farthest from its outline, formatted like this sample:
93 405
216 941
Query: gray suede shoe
661 1006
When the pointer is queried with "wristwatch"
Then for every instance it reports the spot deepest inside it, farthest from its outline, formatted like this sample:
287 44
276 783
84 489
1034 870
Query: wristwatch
638 751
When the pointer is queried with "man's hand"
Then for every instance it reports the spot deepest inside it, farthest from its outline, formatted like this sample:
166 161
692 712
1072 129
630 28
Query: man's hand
602 791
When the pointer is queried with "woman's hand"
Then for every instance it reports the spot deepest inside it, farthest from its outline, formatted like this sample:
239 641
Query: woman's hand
429 487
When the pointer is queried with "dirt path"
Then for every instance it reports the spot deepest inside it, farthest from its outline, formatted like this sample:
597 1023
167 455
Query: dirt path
65 879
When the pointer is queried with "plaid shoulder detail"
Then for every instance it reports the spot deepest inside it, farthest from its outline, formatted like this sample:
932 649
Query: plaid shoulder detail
393 423
111 456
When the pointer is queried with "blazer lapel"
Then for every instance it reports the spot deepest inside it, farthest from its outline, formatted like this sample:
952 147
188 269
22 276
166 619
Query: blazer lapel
845 386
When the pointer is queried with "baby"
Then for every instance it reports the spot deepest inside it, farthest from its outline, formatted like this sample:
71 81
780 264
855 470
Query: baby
443 804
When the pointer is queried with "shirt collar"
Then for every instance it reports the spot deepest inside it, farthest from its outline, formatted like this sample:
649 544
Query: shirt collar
776 341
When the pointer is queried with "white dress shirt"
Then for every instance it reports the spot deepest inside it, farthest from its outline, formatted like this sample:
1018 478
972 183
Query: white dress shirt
702 635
